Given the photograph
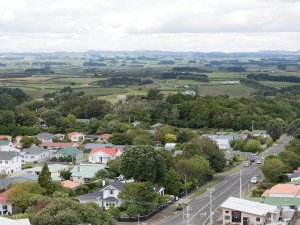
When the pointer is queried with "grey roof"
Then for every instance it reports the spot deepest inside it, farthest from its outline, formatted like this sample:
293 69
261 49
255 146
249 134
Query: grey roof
4 142
112 199
7 155
20 178
295 174
156 125
34 150
45 136
99 192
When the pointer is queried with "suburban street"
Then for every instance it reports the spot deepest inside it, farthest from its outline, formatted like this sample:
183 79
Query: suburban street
230 186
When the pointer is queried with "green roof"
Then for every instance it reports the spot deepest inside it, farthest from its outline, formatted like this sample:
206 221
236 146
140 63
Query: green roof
86 170
68 151
277 201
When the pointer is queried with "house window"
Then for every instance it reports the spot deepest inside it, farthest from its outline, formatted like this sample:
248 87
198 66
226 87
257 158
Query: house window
257 219
32 157
106 204
226 211
6 162
227 217
4 207
111 192
236 216
0 162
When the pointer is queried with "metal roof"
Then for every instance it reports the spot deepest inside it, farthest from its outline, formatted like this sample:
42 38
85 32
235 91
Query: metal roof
7 155
247 206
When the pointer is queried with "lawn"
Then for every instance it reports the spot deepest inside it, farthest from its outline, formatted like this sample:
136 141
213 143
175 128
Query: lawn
230 90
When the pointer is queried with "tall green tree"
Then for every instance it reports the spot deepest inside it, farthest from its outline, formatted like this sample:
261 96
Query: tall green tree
276 128
172 182
294 129
142 163
45 180
70 212
141 194
274 170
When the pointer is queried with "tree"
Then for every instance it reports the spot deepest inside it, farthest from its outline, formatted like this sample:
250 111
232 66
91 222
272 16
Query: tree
239 144
70 212
276 128
142 140
172 182
27 142
154 94
25 194
45 180
141 194
184 136
274 170
291 159
252 146
203 146
196 169
142 163
113 167
294 129
121 139
65 174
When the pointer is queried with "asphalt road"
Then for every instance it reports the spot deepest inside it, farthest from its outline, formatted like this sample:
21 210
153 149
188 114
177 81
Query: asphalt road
230 186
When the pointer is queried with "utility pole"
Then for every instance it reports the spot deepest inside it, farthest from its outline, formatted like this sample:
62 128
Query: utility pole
240 183
210 206
252 126
186 215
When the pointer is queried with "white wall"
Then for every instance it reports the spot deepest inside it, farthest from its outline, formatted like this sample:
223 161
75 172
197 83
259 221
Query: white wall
13 165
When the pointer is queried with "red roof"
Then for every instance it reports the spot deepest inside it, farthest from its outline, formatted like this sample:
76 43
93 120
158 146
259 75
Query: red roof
4 136
4 197
105 136
57 144
74 133
290 189
70 184
109 151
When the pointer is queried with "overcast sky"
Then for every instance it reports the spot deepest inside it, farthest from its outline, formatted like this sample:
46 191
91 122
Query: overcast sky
174 25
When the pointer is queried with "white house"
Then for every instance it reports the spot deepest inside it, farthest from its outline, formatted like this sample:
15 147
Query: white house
54 169
223 140
76 136
45 137
244 212
10 162
103 155
35 155
108 195
170 146
7 146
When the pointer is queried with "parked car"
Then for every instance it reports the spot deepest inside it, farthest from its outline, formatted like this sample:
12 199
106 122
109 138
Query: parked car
254 180
246 164
252 160
258 161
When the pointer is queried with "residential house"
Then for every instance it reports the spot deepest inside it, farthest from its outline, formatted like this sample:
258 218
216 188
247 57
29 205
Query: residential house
108 195
5 206
83 173
54 170
5 183
103 155
89 146
136 123
157 125
295 175
8 221
223 140
76 136
260 133
10 162
7 146
35 155
244 212
5 137
57 145
170 146
160 190
45 137
104 138
70 184
74 153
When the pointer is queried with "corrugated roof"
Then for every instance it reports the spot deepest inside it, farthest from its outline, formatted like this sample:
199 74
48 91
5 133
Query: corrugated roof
52 168
57 144
86 170
67 151
105 136
290 189
34 151
4 142
109 151
20 178
70 184
247 206
75 133
8 221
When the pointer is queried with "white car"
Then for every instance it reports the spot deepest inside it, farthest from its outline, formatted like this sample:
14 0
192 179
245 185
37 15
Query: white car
254 180
258 161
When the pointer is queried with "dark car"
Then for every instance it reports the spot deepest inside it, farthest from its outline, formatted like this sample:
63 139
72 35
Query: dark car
252 160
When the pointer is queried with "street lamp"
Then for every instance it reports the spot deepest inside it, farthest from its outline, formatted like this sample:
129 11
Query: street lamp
138 219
